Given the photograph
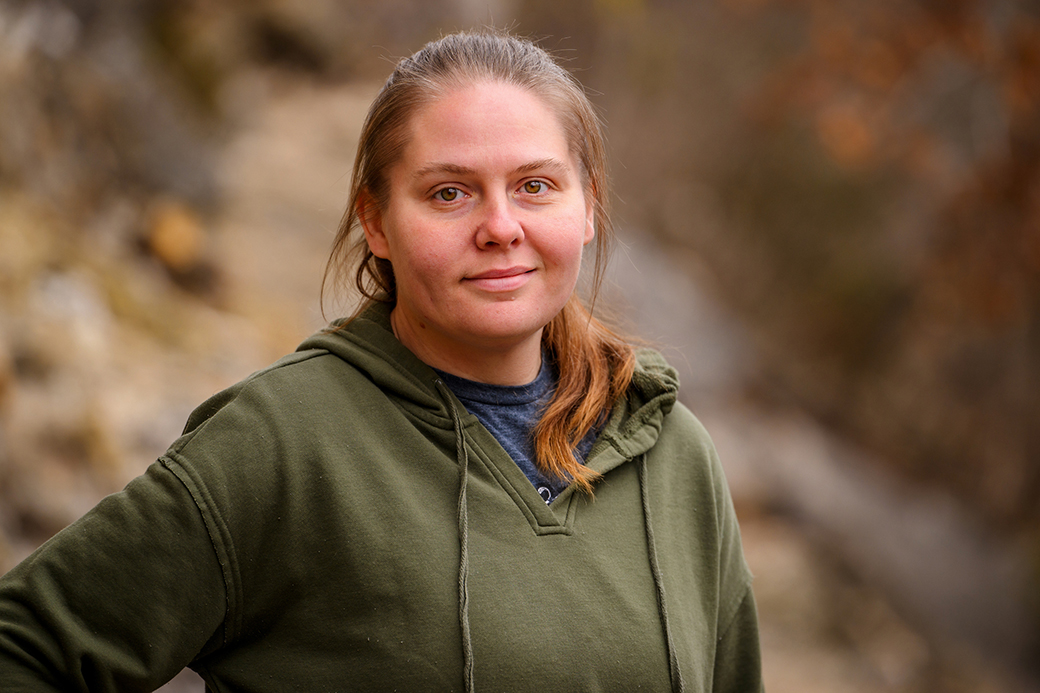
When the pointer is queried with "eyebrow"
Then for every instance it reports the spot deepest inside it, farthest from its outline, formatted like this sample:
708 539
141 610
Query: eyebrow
541 164
443 168
549 163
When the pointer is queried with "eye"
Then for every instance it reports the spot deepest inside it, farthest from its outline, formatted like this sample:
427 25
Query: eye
447 194
533 187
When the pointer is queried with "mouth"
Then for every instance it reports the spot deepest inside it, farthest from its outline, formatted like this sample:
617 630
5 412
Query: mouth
501 280
501 273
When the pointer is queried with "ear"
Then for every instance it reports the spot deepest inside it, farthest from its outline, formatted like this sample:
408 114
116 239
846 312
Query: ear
371 218
590 219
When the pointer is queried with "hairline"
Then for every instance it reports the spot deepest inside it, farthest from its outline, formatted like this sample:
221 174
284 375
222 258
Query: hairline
444 87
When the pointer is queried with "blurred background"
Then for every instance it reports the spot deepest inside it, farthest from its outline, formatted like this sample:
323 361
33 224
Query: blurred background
830 222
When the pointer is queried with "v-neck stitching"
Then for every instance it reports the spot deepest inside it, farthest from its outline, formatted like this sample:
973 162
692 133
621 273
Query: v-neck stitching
556 518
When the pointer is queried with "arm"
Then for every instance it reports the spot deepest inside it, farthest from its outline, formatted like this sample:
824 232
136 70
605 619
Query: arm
738 661
738 658
122 599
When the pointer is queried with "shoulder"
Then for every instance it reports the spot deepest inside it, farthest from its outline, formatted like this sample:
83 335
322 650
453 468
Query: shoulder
276 386
682 428
260 428
683 458
688 478
686 446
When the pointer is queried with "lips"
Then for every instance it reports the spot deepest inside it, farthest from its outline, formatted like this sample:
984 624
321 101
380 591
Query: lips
501 280
501 273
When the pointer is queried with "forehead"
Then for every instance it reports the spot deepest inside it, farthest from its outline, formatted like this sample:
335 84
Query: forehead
485 123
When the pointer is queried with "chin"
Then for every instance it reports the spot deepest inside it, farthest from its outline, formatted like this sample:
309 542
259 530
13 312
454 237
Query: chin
511 327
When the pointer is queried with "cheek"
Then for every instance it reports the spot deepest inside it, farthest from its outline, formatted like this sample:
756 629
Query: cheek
424 265
415 252
569 241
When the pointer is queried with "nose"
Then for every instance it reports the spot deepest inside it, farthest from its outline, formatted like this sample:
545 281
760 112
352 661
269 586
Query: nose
498 224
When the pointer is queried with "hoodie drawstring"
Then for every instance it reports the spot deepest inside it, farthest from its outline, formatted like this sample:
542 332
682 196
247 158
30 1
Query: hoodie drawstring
462 513
674 672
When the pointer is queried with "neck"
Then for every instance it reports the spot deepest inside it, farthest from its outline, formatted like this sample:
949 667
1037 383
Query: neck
511 364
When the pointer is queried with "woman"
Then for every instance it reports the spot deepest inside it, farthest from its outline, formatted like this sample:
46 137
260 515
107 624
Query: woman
470 485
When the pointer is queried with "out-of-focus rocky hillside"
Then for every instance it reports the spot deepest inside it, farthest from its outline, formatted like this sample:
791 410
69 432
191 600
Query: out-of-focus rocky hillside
171 174
146 259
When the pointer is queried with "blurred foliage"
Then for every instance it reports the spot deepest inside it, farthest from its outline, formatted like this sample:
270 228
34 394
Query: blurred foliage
944 100
861 182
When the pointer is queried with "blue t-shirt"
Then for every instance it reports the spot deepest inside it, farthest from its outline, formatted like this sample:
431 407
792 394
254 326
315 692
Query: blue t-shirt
510 413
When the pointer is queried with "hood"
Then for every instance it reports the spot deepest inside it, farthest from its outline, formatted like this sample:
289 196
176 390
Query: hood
368 344
635 423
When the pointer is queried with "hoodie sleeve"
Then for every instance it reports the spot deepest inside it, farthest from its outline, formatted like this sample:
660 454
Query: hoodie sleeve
121 600
738 660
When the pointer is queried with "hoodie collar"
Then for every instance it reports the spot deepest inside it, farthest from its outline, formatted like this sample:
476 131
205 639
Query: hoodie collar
367 343
635 423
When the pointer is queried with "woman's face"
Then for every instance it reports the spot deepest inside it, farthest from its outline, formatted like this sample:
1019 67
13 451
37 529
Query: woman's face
484 225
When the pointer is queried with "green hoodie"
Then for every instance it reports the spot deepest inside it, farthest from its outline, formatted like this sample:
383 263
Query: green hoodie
338 522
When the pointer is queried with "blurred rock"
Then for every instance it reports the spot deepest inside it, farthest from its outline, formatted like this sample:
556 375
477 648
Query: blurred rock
956 580
87 114
175 236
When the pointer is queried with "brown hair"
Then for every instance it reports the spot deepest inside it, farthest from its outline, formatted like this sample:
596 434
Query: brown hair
594 364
